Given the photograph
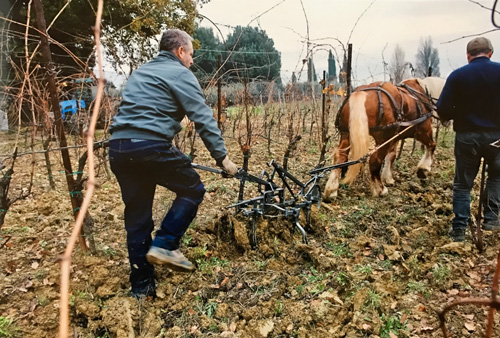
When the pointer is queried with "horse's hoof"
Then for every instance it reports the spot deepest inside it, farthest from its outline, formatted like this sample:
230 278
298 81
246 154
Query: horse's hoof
330 197
390 181
378 191
384 192
421 173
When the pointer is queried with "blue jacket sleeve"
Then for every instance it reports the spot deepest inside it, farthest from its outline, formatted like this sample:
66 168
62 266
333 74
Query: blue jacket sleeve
446 107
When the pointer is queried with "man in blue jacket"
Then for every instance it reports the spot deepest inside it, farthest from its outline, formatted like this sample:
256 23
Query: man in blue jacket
158 95
471 98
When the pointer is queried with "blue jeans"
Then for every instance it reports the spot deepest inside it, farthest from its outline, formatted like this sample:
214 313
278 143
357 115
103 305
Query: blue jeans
470 147
139 166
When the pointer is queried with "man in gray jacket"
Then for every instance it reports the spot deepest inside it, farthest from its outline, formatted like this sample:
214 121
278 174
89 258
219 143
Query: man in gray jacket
158 95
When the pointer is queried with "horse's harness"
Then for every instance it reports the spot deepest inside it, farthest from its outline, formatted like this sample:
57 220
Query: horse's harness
422 98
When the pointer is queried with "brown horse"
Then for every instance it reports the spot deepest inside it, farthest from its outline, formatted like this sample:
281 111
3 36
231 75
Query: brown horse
383 110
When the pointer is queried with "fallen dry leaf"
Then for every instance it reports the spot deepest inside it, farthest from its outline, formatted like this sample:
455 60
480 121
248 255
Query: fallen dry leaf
470 326
47 282
232 327
404 317
25 286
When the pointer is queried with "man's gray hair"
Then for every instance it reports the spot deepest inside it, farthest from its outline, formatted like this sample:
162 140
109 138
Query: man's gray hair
172 39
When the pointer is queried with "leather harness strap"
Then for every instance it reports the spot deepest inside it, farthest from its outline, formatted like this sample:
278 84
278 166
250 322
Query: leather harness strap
379 89
402 124
398 110
380 114
423 98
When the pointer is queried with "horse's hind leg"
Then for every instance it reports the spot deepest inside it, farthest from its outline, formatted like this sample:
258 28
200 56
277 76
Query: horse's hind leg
377 186
424 135
340 156
386 175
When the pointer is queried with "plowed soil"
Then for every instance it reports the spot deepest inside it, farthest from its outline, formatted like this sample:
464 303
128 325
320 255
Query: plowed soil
373 267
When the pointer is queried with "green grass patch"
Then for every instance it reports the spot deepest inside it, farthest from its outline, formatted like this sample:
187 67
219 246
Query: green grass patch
373 300
207 266
440 274
8 327
364 269
340 249
16 230
393 324
342 278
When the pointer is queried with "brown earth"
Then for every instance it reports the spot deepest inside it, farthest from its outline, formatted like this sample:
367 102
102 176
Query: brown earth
374 267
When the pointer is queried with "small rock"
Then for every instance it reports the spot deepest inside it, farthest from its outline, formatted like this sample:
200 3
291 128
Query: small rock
266 328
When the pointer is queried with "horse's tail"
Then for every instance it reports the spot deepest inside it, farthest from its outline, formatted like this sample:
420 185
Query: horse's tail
359 133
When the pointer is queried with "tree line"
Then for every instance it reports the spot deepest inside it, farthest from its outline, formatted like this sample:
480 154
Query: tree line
247 53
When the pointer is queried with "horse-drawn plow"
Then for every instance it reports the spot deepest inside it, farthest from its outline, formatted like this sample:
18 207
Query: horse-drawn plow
279 194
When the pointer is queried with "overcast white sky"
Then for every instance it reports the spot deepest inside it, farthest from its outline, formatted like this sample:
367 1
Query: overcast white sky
385 22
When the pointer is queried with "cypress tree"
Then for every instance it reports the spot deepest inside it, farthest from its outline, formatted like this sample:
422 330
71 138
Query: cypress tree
332 69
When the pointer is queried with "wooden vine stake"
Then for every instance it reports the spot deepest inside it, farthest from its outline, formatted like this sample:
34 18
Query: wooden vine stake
54 97
66 260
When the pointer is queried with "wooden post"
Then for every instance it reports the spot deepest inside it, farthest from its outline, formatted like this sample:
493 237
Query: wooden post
219 92
54 97
323 96
324 122
349 64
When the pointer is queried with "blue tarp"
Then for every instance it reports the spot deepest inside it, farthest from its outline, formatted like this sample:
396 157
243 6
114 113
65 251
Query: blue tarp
70 106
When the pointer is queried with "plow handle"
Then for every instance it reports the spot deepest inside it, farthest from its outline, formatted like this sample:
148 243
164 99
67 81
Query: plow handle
241 175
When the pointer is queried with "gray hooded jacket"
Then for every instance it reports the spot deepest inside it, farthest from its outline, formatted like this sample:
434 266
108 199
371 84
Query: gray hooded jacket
156 98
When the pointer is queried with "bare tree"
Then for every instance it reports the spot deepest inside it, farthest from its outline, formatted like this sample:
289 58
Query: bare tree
398 65
427 58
